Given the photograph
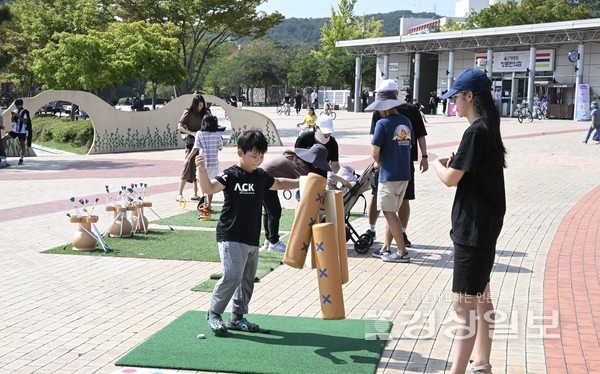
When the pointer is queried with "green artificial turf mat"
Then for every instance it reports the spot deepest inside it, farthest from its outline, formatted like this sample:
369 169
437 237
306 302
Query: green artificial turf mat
191 245
267 262
190 219
294 345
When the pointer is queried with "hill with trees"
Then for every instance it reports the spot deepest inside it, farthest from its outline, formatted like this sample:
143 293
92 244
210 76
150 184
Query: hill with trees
294 31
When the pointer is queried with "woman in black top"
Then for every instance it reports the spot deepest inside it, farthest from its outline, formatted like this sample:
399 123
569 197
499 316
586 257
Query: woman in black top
477 170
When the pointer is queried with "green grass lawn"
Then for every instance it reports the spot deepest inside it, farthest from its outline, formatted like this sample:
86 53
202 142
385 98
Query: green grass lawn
186 245
190 245
66 147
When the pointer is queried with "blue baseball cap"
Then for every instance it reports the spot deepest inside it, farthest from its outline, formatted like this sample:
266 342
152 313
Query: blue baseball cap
474 80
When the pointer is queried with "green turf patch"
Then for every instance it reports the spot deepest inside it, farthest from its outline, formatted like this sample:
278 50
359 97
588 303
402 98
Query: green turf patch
267 262
294 345
191 245
190 218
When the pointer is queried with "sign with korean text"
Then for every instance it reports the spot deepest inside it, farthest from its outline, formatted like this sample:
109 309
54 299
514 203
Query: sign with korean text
516 61
510 61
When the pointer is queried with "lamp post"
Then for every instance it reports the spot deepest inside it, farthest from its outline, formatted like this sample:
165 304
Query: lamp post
357 76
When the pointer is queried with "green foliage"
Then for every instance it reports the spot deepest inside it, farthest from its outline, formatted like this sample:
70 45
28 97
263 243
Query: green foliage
294 32
528 12
63 130
202 26
338 68
38 23
593 6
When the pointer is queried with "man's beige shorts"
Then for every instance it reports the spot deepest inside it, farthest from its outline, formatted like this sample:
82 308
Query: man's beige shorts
390 195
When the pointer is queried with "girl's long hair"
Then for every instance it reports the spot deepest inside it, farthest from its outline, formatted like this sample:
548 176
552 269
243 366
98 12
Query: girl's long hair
194 107
489 115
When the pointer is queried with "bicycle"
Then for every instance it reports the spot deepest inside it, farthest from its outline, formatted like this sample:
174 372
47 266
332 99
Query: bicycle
328 112
284 108
524 112
541 111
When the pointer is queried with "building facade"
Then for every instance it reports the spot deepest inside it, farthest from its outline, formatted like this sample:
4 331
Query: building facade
556 61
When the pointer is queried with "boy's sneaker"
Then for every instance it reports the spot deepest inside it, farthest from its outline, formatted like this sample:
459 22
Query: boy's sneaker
21 161
216 325
407 242
265 245
371 233
242 325
277 247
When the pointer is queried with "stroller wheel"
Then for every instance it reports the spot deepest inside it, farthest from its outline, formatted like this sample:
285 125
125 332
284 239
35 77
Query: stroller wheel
361 246
367 239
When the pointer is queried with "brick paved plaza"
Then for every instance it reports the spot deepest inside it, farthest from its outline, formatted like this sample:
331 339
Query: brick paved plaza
79 314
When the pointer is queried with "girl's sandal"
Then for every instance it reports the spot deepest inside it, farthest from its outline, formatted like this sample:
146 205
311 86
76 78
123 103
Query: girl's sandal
479 369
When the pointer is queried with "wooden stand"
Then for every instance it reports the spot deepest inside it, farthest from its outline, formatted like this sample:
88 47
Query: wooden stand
139 220
121 226
83 239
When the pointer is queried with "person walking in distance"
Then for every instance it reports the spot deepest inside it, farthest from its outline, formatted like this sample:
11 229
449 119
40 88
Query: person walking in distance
314 97
477 172
298 102
21 129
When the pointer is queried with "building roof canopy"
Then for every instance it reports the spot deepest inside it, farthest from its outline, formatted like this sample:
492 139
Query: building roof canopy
543 35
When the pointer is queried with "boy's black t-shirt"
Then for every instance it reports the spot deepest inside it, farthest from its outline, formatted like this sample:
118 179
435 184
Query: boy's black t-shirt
480 201
241 214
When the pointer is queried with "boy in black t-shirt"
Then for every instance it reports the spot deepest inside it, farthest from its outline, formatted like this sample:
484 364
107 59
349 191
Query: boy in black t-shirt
238 230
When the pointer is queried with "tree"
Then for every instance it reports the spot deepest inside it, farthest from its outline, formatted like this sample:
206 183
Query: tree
202 26
151 51
593 6
338 70
304 67
38 23
265 65
528 12
107 59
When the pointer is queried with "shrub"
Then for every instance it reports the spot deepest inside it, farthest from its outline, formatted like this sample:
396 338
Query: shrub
63 130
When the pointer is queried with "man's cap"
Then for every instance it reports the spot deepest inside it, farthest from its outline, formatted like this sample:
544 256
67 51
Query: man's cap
325 123
594 104
474 80
317 155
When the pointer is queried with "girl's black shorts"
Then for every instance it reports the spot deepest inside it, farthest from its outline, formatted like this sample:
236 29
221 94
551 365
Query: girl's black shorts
472 269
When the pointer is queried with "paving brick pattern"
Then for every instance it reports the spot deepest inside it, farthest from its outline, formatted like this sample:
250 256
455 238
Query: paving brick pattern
79 314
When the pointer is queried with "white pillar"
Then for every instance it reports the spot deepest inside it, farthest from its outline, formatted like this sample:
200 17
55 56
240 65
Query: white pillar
530 83
488 63
450 77
386 66
417 77
578 78
357 85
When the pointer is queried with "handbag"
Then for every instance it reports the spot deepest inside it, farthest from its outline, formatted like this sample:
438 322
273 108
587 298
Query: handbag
190 140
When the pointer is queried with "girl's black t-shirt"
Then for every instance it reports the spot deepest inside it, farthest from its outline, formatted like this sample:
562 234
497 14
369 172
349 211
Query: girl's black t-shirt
480 201
241 214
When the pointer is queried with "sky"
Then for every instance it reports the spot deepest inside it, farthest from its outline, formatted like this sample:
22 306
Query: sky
322 8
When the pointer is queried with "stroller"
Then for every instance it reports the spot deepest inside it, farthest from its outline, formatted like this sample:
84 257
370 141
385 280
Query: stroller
363 242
